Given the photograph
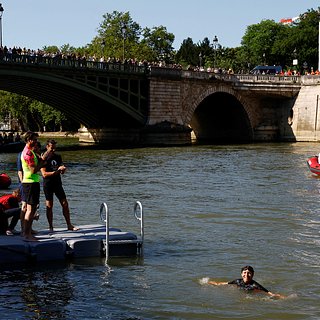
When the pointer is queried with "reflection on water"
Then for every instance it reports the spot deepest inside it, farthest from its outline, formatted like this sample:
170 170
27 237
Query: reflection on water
36 294
209 210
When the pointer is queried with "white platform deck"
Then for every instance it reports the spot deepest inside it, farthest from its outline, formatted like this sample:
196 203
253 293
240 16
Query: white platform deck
88 241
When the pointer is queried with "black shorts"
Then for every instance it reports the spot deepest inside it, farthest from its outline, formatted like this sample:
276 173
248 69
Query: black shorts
23 197
31 192
50 189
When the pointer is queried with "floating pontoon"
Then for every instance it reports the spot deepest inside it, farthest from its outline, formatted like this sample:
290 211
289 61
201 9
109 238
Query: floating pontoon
95 240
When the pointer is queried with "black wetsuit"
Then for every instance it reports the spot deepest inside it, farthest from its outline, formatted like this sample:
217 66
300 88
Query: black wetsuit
253 285
53 185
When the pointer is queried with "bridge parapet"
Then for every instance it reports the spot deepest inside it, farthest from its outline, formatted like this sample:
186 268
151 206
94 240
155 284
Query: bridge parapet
203 75
310 80
170 73
65 63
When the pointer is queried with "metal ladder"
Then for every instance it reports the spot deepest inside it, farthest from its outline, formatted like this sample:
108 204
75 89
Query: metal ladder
138 214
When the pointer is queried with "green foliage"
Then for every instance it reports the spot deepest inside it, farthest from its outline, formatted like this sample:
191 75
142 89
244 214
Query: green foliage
259 41
118 35
188 54
51 49
273 43
304 39
159 42
31 114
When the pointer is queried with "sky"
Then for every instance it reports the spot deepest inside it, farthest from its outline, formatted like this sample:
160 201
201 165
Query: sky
37 23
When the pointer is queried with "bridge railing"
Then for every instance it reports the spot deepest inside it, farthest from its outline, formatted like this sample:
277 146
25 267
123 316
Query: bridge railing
240 77
203 75
61 62
48 61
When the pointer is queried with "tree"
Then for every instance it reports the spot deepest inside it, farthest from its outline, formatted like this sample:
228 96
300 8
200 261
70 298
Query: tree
32 114
159 41
303 39
259 41
205 53
118 35
188 54
273 43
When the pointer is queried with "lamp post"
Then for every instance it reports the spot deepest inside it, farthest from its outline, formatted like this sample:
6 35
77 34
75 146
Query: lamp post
200 59
1 13
124 32
215 46
101 60
295 60
319 45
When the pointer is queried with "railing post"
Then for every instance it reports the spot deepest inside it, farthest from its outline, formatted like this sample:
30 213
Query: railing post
104 207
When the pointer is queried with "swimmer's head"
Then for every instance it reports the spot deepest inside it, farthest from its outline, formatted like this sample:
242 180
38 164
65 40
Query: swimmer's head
247 274
249 268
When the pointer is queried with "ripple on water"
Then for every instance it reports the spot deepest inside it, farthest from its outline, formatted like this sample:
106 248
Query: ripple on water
209 210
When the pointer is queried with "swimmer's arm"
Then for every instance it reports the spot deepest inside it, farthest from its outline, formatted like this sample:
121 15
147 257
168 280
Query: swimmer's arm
276 295
217 283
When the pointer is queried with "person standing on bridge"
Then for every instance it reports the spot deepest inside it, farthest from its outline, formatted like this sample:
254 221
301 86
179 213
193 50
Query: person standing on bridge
52 184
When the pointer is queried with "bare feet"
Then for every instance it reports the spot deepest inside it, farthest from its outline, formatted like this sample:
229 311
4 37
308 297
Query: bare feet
72 228
30 238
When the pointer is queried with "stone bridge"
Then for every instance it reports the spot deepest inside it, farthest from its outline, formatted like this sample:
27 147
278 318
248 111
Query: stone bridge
132 105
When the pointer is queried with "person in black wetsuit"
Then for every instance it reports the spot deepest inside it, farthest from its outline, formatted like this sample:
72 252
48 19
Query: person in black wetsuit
52 185
247 283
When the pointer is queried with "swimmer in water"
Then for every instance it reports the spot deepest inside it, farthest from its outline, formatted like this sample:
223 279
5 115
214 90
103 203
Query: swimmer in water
247 283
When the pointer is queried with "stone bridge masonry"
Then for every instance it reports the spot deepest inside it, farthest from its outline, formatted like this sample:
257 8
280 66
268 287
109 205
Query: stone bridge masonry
225 108
119 104
305 121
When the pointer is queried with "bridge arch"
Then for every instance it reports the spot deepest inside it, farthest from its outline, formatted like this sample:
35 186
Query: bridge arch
219 115
85 97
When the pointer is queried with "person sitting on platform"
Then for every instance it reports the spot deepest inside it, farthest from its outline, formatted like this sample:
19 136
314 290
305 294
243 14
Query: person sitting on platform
11 209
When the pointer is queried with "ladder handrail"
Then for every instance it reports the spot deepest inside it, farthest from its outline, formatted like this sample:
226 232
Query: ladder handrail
138 213
139 217
105 206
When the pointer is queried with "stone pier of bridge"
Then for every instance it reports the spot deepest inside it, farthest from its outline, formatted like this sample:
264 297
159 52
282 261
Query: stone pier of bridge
259 110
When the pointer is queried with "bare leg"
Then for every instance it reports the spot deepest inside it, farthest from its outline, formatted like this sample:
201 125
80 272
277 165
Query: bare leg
28 219
66 213
49 207
22 214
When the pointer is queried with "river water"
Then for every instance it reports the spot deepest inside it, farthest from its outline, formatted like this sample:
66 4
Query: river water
209 210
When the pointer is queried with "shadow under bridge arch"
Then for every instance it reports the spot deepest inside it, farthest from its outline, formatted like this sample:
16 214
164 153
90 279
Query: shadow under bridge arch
221 118
86 104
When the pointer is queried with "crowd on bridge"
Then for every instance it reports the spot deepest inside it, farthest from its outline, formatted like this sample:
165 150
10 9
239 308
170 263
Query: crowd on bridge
72 59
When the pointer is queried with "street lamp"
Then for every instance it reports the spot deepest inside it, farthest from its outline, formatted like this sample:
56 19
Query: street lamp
124 32
200 59
1 13
215 47
295 60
